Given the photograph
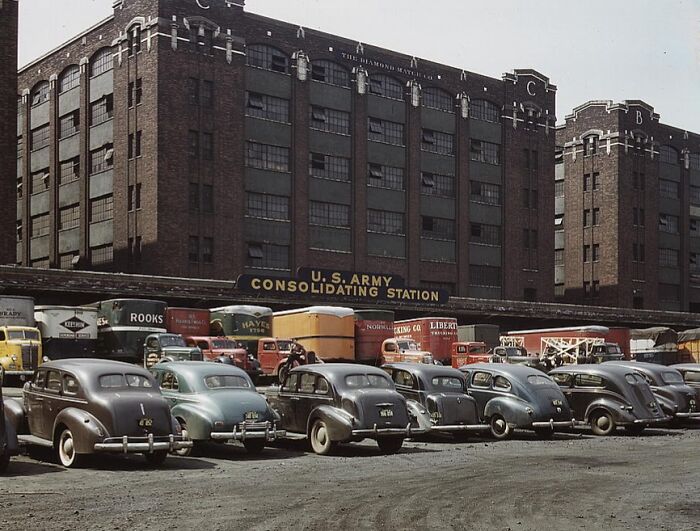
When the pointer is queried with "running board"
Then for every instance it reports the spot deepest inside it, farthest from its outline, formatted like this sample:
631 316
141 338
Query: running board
38 441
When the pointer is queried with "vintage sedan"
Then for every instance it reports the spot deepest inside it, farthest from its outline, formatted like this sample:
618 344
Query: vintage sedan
607 396
691 375
674 396
437 399
217 402
342 402
86 406
8 437
517 396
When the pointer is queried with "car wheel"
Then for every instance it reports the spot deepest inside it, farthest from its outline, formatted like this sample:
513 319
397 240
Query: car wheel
544 433
156 458
254 446
65 448
390 445
499 428
635 429
320 439
602 423
4 461
184 452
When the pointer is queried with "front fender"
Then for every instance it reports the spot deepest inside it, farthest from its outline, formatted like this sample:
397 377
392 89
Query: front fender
199 424
86 429
338 422
16 416
620 416
512 410
668 404
420 413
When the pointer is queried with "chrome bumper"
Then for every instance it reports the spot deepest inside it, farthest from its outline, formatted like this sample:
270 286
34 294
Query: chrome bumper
458 427
555 424
260 430
688 416
148 444
383 432
653 421
19 373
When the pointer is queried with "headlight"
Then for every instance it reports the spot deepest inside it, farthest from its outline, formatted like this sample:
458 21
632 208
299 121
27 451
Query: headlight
46 359
14 358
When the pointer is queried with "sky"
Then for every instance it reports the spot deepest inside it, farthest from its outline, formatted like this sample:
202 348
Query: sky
593 49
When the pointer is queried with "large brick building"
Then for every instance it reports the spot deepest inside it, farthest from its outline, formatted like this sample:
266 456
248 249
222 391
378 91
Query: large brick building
195 139
627 221
8 125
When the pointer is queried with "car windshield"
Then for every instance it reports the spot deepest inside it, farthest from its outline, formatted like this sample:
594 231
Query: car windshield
226 381
223 343
284 345
672 377
172 341
447 383
614 349
125 381
359 381
540 379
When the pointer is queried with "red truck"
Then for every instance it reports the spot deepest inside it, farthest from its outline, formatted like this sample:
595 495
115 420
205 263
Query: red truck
433 334
372 328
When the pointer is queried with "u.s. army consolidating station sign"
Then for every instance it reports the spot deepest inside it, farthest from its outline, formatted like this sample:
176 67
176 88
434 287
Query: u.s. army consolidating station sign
339 286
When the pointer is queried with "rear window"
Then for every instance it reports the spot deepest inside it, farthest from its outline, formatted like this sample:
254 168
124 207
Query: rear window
359 381
447 383
540 379
692 376
226 381
589 380
672 377
635 378
123 381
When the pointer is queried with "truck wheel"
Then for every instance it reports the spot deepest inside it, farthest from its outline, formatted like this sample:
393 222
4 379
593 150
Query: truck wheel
156 458
390 445
320 440
65 448
4 461
254 446
602 423
499 428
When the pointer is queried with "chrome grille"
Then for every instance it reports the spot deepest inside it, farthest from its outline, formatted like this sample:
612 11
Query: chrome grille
30 357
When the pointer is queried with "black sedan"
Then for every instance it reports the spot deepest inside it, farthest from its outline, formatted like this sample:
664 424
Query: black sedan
607 396
437 398
341 402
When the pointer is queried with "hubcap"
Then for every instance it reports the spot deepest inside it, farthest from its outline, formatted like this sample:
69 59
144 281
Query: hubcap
500 425
67 448
321 435
603 422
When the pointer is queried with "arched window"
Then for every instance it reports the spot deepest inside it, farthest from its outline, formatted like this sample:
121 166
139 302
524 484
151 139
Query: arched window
101 62
695 161
70 78
267 57
436 98
40 94
484 110
330 72
385 86
668 154
590 145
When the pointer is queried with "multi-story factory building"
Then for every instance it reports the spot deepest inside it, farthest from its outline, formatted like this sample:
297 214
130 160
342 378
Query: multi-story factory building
193 138
627 221
8 125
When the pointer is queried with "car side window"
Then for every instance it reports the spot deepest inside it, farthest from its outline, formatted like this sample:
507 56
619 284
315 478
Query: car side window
290 383
501 383
53 382
562 379
70 384
203 345
322 387
404 379
390 347
461 349
307 383
169 382
589 380
40 379
481 379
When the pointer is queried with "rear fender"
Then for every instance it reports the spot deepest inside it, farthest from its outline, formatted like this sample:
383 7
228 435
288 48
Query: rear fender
512 410
338 422
16 416
619 415
420 413
199 424
86 429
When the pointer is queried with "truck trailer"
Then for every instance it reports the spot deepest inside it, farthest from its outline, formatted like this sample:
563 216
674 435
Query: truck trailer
67 331
372 328
243 323
433 334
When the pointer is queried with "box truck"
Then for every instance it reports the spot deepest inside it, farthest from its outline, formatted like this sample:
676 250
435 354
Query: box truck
67 331
432 334
20 341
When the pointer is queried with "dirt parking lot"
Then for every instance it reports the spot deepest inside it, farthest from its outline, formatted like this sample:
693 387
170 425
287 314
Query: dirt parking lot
575 481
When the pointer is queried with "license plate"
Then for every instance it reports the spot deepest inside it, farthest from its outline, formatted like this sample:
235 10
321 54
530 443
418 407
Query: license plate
556 402
252 415
386 413
146 423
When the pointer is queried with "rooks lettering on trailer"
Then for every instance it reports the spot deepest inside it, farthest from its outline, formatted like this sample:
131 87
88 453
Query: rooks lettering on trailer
146 318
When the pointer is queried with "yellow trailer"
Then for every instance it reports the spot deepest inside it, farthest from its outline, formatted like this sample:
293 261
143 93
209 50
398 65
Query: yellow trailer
689 346
328 331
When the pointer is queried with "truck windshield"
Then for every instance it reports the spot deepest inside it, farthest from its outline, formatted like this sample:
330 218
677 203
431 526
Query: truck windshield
223 343
407 345
172 341
359 381
614 349
23 334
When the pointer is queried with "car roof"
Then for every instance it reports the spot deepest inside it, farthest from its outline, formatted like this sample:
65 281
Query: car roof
338 370
92 366
640 365
424 369
197 369
601 369
686 366
505 369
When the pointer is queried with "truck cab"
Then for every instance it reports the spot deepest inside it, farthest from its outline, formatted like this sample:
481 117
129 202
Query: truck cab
216 348
404 349
20 350
168 347
272 353
467 352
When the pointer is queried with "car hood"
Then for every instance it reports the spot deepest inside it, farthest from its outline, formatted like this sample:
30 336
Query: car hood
121 412
232 405
370 403
452 408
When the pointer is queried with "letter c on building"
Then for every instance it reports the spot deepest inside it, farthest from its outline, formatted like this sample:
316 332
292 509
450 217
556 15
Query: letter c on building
530 90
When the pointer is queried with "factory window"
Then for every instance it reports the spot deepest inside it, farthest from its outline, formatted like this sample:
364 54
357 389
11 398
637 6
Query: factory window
484 276
267 57
193 248
638 216
101 254
102 110
638 252
329 167
39 138
207 198
194 197
69 171
41 93
487 152
101 62
438 185
485 234
102 208
695 195
669 155
69 124
437 228
267 107
268 256
385 222
208 250
380 176
69 217
590 145
385 131
694 161
559 188
134 145
437 142
193 143
530 239
385 86
559 257
559 221
65 260
207 93
668 189
39 225
134 197
329 214
436 98
668 257
484 110
207 146
70 78
193 90
485 193
39 181
101 159
267 157
266 206
329 120
135 92
668 223
19 230
330 72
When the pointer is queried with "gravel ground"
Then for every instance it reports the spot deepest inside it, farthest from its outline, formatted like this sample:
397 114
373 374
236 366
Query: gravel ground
575 481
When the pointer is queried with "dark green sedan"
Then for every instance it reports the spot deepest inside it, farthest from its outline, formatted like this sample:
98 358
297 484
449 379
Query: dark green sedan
217 402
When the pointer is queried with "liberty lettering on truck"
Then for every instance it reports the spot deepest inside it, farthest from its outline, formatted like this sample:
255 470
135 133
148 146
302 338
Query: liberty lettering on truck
20 341
67 331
